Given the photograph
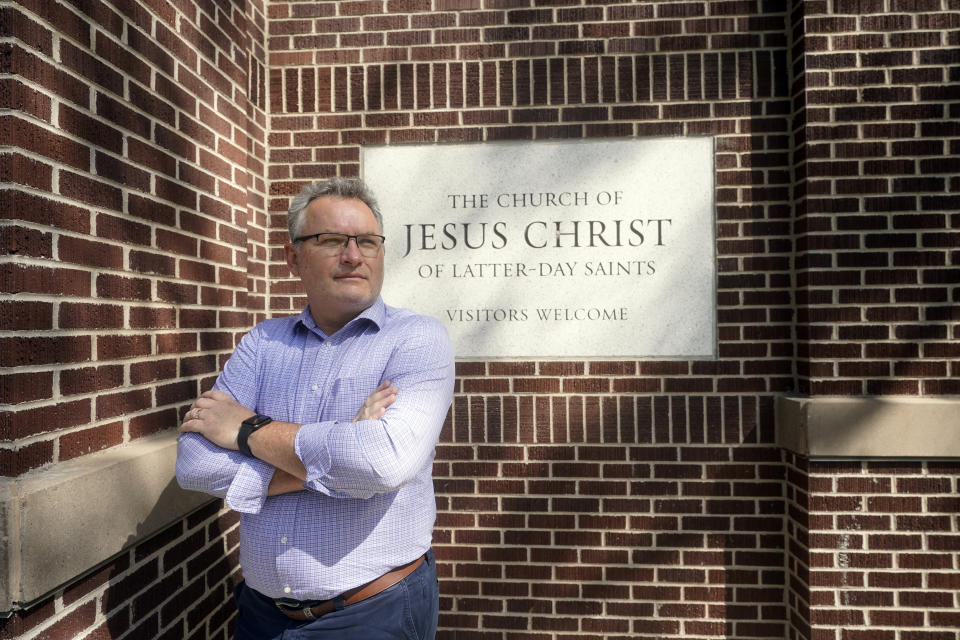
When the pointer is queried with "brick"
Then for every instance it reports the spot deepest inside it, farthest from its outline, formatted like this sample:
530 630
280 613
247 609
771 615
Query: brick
42 350
90 253
90 316
923 485
152 158
122 172
89 191
19 205
18 278
24 314
90 440
115 404
28 136
113 347
90 379
152 263
16 388
176 192
28 457
22 241
924 560
118 287
98 134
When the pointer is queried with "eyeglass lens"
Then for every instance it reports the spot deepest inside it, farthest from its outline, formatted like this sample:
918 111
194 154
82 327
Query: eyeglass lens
368 245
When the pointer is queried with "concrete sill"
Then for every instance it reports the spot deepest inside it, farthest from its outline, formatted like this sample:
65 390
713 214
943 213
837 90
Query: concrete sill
59 523
870 427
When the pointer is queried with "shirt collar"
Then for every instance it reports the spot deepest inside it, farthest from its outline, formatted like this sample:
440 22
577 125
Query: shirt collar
375 314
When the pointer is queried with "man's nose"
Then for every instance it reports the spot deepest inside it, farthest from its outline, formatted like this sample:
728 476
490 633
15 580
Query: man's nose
351 252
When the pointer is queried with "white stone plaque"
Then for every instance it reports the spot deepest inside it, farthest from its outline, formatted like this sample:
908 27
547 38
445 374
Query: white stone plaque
572 249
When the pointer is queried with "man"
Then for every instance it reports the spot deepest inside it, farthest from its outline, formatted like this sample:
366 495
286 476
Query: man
321 432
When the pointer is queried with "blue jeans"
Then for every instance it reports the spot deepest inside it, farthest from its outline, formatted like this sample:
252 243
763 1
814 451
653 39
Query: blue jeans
406 611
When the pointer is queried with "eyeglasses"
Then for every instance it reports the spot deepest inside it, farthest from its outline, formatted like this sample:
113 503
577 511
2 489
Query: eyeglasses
334 243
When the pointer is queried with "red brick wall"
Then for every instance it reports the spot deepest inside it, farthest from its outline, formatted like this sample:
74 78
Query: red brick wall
878 189
133 200
134 234
873 547
154 151
874 550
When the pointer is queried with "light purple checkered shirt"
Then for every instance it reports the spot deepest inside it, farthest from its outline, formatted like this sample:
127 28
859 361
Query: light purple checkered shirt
368 505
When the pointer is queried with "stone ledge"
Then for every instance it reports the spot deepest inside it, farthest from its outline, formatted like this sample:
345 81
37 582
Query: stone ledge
876 427
57 524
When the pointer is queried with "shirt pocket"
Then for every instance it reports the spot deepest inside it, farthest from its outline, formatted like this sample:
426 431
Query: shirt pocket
346 397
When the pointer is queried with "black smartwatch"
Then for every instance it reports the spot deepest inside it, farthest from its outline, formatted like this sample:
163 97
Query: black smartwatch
247 427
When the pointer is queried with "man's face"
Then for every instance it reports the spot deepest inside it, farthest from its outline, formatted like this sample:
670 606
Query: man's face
341 285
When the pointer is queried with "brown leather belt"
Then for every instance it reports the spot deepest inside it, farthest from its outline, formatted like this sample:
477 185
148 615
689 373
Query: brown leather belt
353 596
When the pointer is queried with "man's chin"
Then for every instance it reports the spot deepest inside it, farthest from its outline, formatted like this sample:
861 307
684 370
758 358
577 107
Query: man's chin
357 302
357 294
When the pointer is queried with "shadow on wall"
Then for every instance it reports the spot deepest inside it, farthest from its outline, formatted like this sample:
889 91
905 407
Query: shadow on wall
629 514
172 582
178 580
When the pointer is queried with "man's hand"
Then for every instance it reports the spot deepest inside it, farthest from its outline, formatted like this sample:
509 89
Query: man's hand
217 417
375 404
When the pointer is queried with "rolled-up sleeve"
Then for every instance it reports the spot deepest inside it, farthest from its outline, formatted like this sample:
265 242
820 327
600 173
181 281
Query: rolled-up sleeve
241 481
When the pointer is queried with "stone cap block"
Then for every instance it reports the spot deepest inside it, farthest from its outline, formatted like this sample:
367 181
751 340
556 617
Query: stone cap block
58 523
869 427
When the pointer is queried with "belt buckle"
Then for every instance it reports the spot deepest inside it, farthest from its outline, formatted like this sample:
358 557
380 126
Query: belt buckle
286 609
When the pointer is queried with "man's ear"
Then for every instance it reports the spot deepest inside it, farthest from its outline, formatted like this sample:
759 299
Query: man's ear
292 257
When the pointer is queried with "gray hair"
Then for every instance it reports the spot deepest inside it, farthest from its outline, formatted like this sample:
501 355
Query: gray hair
350 188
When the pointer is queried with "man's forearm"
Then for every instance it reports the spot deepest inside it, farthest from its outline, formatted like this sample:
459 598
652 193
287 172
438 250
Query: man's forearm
282 482
274 444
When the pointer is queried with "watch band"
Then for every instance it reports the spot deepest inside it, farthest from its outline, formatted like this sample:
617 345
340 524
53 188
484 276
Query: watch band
247 427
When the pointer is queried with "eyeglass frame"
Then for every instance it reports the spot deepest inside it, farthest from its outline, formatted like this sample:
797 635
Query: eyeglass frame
356 240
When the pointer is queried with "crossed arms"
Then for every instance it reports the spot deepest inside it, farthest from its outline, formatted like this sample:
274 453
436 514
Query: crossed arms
217 416
389 441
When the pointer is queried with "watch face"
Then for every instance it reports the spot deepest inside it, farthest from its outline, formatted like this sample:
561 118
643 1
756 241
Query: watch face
258 421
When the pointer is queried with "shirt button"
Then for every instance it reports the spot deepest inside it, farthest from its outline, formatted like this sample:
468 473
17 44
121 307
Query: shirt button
283 539
314 387
287 589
